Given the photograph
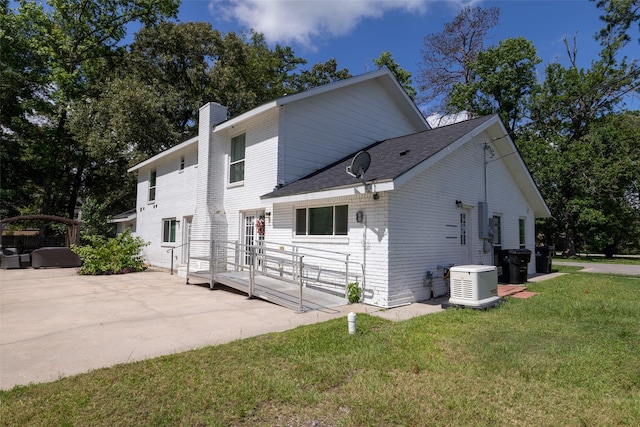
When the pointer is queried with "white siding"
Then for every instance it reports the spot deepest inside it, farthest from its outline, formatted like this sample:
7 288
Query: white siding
425 221
260 172
506 199
405 233
210 192
175 198
366 249
318 131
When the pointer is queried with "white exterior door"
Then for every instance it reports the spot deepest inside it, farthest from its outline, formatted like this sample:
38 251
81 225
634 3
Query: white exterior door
186 232
252 232
466 254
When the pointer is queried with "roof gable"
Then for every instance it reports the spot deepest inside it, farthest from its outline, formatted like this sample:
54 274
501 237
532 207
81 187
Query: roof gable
397 160
390 159
383 75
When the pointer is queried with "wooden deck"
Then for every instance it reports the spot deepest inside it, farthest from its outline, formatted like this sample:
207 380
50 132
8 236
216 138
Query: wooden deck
278 291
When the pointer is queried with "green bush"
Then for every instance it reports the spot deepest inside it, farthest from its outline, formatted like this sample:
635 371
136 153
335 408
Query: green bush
117 255
354 292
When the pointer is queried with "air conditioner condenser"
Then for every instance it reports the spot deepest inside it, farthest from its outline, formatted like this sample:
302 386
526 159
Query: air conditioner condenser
474 286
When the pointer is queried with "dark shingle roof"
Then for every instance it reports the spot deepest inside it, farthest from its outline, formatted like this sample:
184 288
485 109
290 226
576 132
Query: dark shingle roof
389 159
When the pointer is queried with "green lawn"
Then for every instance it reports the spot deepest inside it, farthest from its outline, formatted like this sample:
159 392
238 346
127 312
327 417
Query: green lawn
568 356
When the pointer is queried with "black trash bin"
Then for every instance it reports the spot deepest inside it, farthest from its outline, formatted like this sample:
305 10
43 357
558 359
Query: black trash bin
544 256
515 264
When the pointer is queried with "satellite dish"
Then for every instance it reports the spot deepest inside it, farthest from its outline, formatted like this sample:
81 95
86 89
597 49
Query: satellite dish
359 164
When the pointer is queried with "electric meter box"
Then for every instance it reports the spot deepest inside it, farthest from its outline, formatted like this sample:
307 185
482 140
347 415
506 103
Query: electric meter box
474 286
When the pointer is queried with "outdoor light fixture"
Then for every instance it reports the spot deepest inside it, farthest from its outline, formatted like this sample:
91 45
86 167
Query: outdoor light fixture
268 216
459 203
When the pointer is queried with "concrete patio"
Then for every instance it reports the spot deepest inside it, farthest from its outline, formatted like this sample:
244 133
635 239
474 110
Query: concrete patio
55 323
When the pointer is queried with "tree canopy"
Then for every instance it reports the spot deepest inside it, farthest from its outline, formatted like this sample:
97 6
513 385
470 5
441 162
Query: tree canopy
79 107
571 125
74 97
502 79
56 56
446 57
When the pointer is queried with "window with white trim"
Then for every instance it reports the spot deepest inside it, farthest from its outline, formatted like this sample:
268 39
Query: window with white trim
497 240
152 184
322 221
236 162
522 232
169 230
497 230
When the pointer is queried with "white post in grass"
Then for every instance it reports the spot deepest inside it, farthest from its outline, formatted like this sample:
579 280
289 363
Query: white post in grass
351 318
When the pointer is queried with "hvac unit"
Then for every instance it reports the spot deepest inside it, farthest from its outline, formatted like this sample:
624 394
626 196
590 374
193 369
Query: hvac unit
473 286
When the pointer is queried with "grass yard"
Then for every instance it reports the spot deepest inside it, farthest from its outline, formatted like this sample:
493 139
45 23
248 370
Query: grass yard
568 356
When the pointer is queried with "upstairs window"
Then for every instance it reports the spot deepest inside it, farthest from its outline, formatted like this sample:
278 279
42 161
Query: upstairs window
169 230
322 221
152 185
236 164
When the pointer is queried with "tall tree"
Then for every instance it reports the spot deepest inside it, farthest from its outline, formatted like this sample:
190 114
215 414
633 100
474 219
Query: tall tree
320 74
502 79
619 16
74 43
22 75
174 59
78 106
567 113
591 185
446 57
247 73
403 76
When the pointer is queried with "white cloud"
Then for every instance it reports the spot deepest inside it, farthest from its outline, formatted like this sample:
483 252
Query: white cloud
304 22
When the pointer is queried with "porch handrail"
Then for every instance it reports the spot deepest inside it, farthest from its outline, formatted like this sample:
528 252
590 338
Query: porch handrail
301 266
171 250
304 247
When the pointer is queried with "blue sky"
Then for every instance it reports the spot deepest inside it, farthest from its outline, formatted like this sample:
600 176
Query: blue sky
356 31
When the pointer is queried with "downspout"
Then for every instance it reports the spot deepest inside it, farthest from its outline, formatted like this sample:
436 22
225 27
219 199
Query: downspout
364 255
486 245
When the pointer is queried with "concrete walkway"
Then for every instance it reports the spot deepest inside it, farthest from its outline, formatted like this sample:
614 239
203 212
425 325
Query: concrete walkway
54 323
596 267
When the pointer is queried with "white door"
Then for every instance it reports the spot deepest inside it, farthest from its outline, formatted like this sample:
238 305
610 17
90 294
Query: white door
186 233
466 254
253 231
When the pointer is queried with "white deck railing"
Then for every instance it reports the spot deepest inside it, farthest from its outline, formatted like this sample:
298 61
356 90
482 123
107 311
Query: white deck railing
328 271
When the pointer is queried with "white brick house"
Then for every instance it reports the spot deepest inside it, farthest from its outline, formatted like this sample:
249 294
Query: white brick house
419 208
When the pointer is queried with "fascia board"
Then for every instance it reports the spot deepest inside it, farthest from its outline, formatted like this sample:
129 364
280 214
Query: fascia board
287 99
128 218
245 116
337 192
514 162
165 153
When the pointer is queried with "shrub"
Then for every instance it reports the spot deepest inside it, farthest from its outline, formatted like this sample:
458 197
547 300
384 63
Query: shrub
354 292
120 254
